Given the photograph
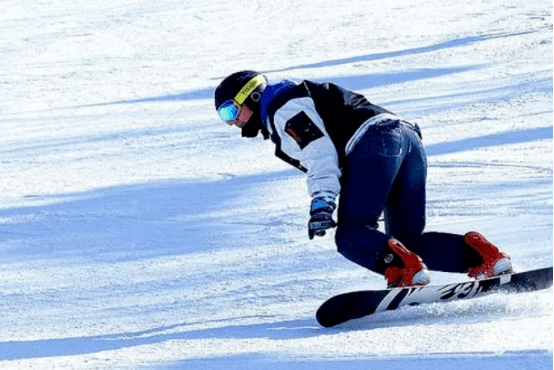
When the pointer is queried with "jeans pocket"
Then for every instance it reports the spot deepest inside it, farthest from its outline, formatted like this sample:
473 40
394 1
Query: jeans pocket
386 144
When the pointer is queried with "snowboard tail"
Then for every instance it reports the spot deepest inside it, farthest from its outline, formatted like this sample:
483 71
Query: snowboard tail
354 305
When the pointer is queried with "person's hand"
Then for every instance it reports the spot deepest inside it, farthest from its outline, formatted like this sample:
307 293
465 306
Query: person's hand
321 212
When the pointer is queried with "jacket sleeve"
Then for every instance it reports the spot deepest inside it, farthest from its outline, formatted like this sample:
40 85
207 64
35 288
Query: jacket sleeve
303 137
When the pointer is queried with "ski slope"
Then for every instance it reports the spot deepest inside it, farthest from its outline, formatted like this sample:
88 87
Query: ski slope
137 231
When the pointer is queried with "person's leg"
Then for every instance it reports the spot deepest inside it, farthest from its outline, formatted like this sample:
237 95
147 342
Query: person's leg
405 206
368 175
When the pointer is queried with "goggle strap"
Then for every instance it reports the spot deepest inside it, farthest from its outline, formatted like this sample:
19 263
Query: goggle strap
249 88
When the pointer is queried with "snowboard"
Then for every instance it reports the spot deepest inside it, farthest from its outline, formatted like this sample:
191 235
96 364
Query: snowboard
354 305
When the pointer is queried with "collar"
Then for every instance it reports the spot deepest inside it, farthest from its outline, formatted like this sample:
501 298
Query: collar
270 92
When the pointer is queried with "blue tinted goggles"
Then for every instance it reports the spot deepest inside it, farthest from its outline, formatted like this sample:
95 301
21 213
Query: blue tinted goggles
229 111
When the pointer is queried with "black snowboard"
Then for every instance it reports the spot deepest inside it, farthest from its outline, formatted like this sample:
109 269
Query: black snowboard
354 305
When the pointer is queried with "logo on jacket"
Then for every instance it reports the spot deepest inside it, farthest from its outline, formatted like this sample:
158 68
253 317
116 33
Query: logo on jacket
302 129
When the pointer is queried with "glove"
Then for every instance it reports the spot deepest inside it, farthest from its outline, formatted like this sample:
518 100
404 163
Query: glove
321 212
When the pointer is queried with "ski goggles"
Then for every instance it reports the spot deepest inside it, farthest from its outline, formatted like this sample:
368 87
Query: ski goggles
230 110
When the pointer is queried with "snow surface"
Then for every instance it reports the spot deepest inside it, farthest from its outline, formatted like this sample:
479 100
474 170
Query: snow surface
139 232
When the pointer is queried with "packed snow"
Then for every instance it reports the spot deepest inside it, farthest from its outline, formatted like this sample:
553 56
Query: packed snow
137 231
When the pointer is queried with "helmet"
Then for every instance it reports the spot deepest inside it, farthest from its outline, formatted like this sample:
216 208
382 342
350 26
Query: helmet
232 87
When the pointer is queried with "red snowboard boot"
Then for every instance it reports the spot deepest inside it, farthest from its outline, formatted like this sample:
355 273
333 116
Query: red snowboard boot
413 270
494 262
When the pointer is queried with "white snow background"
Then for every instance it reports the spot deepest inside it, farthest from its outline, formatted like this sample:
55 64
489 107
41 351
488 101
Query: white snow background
137 231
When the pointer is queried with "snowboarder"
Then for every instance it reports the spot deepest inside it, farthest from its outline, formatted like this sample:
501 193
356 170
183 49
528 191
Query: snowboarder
373 159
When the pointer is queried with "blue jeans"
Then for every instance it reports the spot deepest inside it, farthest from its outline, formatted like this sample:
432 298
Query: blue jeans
386 173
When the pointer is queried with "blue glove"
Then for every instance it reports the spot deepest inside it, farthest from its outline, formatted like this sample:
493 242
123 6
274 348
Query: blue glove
321 219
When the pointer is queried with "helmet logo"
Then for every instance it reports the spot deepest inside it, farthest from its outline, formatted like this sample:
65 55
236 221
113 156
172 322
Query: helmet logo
256 96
